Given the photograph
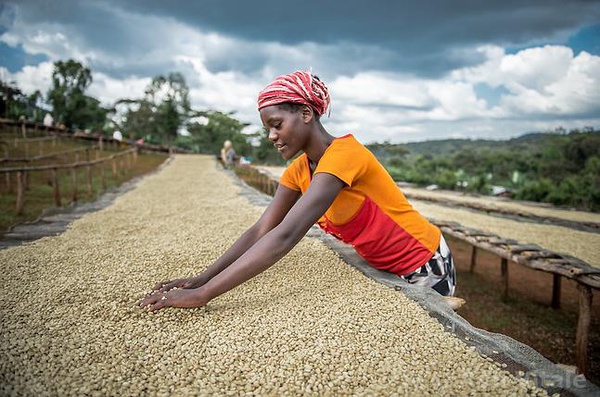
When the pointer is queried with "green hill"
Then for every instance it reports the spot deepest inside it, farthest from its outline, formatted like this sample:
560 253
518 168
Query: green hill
559 168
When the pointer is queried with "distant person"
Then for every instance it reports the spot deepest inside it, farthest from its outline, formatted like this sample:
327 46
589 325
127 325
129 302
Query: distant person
48 120
335 182
228 154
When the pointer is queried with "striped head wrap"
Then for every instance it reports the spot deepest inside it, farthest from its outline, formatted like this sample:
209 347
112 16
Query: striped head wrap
299 87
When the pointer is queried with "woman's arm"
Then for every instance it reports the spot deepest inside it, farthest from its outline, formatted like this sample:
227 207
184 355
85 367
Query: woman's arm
283 200
271 247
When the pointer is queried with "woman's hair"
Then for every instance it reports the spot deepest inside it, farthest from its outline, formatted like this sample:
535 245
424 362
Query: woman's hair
295 107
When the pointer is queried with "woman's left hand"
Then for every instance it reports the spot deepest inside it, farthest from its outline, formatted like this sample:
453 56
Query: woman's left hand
185 298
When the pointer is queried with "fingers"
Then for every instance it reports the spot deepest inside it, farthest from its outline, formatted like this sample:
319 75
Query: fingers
161 285
154 302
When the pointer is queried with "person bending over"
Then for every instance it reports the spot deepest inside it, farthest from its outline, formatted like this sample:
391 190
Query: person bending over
335 182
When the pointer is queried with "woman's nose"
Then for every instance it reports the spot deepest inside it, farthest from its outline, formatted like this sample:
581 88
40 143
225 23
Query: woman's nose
272 135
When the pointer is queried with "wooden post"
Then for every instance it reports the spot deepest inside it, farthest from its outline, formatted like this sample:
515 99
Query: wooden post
23 130
74 179
88 172
103 175
20 193
583 328
473 259
26 149
89 179
504 274
101 143
113 164
556 291
7 177
56 187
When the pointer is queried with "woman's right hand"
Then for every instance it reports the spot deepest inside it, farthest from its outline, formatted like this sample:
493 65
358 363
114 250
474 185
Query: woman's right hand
183 283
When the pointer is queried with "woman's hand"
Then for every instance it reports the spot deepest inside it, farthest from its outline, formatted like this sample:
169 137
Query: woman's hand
184 283
185 298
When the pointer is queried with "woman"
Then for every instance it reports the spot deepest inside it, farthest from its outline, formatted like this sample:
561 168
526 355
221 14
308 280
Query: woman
336 182
228 153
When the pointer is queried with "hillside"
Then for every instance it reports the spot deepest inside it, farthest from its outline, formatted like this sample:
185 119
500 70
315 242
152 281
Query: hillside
558 168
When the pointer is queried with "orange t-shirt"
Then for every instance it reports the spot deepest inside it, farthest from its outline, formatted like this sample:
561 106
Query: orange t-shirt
370 212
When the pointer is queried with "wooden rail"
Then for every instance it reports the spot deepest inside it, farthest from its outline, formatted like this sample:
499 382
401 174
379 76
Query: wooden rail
46 156
528 255
538 258
127 157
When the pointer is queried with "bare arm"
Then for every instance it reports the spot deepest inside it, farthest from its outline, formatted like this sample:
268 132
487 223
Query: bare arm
283 200
269 248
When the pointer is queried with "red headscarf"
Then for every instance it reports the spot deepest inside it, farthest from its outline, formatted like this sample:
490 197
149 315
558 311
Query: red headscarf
298 87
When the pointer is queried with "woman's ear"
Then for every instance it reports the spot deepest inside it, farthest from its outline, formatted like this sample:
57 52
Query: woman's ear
307 113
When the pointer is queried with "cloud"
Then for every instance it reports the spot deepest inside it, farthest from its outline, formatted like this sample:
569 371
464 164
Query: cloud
396 71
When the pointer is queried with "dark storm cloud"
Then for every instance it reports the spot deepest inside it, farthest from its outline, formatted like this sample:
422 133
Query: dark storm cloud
422 35
423 38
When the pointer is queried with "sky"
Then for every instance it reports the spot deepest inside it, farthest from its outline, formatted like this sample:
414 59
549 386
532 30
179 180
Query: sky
397 71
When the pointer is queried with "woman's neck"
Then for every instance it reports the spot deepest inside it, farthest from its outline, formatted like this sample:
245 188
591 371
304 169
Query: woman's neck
318 145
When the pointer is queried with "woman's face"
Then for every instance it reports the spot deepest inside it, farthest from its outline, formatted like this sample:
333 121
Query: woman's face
286 129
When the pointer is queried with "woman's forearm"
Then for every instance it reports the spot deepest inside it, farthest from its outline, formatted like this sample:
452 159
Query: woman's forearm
262 255
242 244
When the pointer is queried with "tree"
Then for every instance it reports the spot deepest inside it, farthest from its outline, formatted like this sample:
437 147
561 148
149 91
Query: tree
70 79
161 113
208 137
15 104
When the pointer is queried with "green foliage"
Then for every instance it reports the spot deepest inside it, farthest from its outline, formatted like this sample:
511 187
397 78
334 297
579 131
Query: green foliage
559 168
70 105
14 104
161 113
208 137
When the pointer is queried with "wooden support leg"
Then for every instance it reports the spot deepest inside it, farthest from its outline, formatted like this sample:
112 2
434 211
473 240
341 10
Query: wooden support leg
20 192
74 178
504 274
556 291
473 258
89 180
583 328
56 187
